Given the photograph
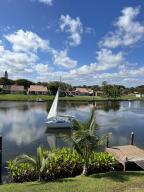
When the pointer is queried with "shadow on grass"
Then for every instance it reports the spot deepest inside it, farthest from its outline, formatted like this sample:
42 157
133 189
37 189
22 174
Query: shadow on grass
55 181
119 176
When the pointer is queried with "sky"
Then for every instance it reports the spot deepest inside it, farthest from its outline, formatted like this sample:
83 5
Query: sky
83 42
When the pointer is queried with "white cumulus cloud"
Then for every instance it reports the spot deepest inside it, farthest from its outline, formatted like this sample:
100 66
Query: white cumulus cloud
105 60
47 2
41 68
73 27
61 58
26 41
128 30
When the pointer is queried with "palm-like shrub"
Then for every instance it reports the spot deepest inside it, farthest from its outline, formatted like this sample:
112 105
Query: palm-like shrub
62 163
85 139
38 163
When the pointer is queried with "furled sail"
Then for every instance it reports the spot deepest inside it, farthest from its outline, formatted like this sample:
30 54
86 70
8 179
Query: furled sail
53 109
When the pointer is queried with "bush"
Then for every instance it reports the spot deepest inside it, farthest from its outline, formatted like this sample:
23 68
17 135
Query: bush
100 162
21 172
64 163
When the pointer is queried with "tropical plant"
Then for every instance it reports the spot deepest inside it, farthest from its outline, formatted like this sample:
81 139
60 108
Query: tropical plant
85 139
21 172
62 163
38 162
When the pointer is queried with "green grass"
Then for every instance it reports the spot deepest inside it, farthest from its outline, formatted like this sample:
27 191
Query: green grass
109 182
21 97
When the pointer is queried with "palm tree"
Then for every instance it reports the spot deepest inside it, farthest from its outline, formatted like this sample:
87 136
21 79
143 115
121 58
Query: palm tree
38 162
85 139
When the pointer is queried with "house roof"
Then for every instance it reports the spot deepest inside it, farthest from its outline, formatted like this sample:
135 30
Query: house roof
84 90
38 88
17 88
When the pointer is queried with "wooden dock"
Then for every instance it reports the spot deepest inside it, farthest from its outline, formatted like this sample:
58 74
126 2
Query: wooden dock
127 154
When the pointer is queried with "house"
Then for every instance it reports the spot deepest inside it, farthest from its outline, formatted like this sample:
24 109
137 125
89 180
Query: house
37 90
138 95
83 92
99 93
17 89
5 88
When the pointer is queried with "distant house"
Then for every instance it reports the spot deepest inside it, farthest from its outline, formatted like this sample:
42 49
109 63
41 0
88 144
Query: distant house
38 90
17 89
138 95
99 93
83 92
5 88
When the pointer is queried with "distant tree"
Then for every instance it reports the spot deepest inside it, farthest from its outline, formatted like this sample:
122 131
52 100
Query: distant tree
26 83
5 81
140 89
104 83
54 85
112 91
6 75
96 88
42 83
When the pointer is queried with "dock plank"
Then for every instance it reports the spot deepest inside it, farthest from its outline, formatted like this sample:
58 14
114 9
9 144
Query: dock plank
127 153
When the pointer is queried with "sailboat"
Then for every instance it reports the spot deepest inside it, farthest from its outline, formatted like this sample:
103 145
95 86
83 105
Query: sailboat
58 121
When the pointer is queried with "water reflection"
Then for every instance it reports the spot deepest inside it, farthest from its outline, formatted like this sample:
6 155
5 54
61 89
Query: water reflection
57 137
106 105
22 124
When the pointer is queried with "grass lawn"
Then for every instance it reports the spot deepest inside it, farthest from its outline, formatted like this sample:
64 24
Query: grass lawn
21 97
109 182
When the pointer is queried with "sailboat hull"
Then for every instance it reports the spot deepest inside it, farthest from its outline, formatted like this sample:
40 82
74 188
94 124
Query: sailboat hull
59 124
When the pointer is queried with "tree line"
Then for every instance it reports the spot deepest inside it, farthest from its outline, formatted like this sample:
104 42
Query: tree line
108 90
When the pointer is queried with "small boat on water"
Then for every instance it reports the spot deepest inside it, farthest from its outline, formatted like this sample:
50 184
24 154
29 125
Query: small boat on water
58 121
40 100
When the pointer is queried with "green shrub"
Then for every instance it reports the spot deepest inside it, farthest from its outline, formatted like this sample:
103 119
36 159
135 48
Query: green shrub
100 162
64 163
21 172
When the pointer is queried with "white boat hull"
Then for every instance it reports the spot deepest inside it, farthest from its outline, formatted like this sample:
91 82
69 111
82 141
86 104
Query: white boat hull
59 124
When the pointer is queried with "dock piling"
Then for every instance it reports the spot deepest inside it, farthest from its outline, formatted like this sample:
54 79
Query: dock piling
108 138
107 142
0 159
132 138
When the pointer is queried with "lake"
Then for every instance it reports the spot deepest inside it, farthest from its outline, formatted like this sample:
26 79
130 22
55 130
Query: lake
22 124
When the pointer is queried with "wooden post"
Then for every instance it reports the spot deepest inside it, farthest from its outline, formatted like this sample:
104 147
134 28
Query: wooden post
132 138
109 138
107 142
0 159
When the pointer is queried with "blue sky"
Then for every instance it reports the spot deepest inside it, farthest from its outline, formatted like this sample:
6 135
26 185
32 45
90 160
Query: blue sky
83 41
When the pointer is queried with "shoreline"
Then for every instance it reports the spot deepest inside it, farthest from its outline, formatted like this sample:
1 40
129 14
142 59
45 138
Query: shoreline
45 98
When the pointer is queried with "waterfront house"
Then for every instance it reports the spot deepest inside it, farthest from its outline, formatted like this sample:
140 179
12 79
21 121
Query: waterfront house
83 92
99 93
139 95
37 90
14 89
5 88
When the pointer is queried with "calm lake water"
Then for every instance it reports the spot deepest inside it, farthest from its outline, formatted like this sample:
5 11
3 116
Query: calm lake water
22 124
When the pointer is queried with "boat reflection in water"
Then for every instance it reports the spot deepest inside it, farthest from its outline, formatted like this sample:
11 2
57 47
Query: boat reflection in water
58 137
